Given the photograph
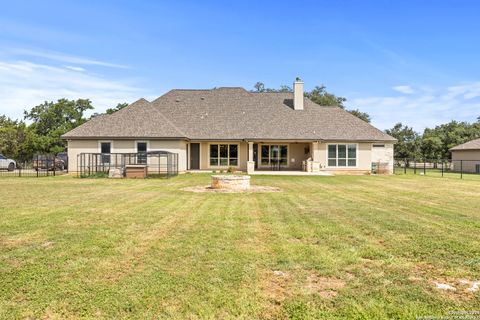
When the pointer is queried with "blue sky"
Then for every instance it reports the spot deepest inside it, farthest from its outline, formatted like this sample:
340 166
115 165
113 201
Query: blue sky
411 61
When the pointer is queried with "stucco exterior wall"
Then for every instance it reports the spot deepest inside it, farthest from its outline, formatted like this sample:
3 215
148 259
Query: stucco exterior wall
383 155
296 155
471 160
205 155
364 157
75 147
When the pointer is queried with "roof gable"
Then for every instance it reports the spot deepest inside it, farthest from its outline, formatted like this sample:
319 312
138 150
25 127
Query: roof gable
139 119
470 145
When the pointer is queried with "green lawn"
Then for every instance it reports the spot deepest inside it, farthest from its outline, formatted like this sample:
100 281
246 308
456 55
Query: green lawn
325 247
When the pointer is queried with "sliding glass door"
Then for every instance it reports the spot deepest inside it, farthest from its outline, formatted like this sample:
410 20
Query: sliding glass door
274 155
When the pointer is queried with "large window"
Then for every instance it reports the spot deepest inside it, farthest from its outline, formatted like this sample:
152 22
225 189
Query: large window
342 155
224 155
273 154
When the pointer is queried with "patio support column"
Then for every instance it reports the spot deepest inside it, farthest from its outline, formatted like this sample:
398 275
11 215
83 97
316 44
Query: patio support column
250 162
315 156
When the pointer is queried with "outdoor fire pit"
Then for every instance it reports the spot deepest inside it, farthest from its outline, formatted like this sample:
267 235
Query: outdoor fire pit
230 182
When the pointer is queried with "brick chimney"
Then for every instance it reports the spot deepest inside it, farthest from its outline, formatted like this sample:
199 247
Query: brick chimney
298 94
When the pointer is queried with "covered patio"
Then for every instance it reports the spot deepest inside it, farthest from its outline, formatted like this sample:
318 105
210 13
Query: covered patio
284 158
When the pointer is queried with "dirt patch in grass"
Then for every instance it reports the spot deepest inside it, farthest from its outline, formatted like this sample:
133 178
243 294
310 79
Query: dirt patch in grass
279 287
276 287
439 283
17 241
326 287
47 244
455 289
252 189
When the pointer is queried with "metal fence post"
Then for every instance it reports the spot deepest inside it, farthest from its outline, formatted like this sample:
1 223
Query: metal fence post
461 169
424 167
38 168
414 166
442 168
405 166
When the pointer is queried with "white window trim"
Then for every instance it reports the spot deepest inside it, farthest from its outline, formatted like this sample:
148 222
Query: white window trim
259 153
148 149
228 143
336 156
105 141
144 141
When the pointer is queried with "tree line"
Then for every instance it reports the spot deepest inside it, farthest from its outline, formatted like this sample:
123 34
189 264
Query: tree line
433 143
42 126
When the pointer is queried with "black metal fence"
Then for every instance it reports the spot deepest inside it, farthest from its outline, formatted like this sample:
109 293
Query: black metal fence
42 165
158 163
462 169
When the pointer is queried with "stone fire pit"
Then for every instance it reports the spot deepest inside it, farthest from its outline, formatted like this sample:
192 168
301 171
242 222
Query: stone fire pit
230 182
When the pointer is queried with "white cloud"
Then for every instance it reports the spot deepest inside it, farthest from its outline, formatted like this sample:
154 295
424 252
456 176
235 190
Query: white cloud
57 56
79 69
25 84
467 91
404 89
424 106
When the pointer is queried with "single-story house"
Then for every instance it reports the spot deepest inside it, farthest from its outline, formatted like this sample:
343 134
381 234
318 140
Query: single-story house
232 127
466 157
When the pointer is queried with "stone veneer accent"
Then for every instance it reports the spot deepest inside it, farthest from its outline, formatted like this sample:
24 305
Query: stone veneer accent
230 182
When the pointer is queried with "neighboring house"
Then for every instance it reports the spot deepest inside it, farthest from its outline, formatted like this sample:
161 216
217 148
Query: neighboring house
466 157
231 127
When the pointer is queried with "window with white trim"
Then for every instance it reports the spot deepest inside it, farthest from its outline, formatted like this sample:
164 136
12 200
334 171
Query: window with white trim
224 155
105 150
274 154
142 152
342 155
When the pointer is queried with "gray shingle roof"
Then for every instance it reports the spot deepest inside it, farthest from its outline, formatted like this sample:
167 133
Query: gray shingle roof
140 119
230 113
470 145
